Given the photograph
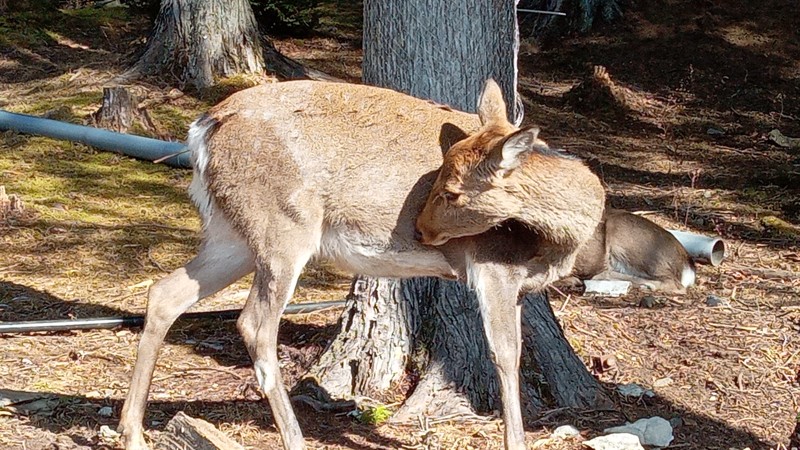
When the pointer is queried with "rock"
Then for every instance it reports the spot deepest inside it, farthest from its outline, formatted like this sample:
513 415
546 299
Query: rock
184 432
105 411
776 137
566 432
648 301
634 390
655 431
607 288
662 382
107 434
715 132
714 301
616 441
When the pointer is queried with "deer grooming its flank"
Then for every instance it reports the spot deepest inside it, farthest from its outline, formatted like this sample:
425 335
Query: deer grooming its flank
288 171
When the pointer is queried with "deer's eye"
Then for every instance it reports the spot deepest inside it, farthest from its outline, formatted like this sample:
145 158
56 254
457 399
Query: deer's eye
452 197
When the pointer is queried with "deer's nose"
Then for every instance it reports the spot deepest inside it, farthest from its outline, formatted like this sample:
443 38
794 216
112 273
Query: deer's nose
417 234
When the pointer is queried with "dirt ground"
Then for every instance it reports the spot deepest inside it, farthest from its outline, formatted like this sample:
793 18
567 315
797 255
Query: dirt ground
701 87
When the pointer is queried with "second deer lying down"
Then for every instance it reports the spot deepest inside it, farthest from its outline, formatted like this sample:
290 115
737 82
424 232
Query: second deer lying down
288 171
631 248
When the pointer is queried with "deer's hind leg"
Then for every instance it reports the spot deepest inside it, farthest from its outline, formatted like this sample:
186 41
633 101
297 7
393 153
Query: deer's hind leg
223 258
279 263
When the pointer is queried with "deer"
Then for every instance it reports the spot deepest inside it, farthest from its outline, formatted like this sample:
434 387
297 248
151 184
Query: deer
629 247
289 171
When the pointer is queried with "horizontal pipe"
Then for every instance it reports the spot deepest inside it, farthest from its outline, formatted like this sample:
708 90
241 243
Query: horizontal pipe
703 249
102 323
539 11
128 144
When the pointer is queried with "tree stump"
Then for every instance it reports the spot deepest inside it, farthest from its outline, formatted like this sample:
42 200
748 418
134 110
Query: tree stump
9 204
184 432
120 112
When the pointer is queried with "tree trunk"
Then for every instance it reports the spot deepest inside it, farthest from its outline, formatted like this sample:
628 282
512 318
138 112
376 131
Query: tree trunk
432 327
200 40
443 50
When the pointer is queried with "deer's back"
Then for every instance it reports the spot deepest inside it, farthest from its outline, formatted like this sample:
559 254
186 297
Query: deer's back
356 160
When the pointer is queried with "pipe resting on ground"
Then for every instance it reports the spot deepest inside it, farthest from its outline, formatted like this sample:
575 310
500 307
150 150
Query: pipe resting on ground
136 146
703 249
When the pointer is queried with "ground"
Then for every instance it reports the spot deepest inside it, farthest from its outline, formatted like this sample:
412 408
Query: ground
706 83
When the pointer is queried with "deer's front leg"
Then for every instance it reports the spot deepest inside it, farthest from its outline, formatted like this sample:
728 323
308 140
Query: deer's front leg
497 290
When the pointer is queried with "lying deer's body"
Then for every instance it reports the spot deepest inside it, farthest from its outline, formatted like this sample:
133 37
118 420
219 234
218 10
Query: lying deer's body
629 247
285 172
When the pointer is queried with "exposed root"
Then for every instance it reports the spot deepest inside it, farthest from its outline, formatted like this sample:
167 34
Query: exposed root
599 93
433 397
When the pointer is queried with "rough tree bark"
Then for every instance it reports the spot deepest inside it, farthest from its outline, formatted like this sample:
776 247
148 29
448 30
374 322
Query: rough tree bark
443 50
198 40
432 327
120 111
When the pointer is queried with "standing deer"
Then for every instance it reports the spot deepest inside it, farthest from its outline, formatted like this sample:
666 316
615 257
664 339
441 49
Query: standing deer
287 171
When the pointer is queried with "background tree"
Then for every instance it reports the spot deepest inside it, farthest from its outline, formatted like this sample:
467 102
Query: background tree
580 15
428 332
200 41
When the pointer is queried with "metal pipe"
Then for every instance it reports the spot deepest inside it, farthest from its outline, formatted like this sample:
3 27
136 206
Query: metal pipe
101 323
540 11
703 249
136 146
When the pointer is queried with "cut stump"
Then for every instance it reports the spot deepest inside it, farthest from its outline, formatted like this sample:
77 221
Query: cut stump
9 204
184 432
121 112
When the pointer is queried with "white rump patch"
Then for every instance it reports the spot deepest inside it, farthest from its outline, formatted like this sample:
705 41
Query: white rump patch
687 276
197 143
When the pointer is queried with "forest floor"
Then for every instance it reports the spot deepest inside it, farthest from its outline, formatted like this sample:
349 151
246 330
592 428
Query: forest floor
702 85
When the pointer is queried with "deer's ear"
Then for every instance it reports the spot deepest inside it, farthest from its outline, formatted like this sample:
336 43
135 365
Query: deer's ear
449 135
491 106
514 150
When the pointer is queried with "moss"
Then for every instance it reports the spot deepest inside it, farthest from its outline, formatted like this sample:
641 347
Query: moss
80 102
224 87
174 121
780 227
71 182
375 415
42 27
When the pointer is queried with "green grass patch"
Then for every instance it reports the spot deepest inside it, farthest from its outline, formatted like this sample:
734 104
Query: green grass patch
70 182
375 415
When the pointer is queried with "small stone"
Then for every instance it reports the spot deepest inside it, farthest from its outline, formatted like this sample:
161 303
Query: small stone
662 382
714 301
676 422
634 390
566 432
606 288
715 132
655 431
105 411
107 434
648 301
616 441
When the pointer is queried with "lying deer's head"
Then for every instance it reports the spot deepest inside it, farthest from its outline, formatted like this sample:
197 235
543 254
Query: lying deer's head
471 194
